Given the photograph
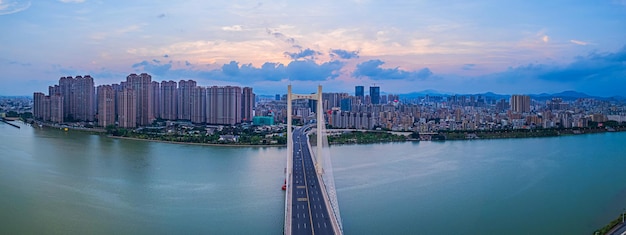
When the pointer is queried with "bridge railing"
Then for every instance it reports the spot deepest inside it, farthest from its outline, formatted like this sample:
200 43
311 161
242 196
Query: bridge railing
328 178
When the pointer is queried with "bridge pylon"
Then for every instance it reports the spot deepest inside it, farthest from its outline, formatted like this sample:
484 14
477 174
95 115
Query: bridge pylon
319 112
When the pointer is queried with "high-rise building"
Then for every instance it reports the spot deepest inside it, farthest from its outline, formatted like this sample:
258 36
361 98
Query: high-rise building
156 100
38 105
78 97
169 100
48 108
247 104
142 85
185 88
198 104
106 105
346 104
65 87
85 95
375 94
502 105
224 105
54 90
127 108
359 92
56 108
330 100
520 103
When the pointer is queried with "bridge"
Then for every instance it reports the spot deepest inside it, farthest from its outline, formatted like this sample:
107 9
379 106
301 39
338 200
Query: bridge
310 199
4 120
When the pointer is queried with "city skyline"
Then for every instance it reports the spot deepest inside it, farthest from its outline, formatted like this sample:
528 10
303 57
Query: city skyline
458 47
139 101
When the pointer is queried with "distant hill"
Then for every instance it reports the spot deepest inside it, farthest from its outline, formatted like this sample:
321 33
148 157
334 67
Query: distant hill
565 95
423 93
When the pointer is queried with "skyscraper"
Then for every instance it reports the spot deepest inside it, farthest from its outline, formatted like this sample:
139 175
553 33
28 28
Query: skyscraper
359 92
224 105
142 86
375 94
106 105
156 99
520 103
127 108
38 105
185 88
198 104
247 104
65 88
346 104
85 98
169 100
56 108
78 97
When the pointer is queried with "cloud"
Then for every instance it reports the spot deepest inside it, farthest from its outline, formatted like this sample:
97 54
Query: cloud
153 68
282 37
309 70
545 38
101 35
343 54
161 16
579 42
620 2
596 73
593 67
232 28
231 69
221 51
303 54
297 70
468 66
72 1
13 6
372 69
166 55
13 62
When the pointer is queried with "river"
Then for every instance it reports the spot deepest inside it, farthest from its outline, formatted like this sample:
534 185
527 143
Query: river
56 182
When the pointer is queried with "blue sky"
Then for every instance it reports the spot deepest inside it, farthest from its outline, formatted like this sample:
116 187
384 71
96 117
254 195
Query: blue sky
402 46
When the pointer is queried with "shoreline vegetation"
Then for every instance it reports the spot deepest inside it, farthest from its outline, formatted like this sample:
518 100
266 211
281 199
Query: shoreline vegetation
247 137
609 228
523 133
227 136
202 144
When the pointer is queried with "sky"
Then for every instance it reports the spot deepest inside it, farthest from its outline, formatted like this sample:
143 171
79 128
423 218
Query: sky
402 46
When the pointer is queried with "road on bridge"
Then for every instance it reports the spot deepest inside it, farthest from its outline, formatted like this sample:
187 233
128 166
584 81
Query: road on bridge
309 212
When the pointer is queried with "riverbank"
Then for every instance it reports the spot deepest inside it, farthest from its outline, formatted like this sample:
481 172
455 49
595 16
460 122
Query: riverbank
201 144
3 120
347 137
612 227
67 128
524 133
367 137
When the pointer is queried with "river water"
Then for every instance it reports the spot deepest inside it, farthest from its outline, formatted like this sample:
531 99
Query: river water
56 182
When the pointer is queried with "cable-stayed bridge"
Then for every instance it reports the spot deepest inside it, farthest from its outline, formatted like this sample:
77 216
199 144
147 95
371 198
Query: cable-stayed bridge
311 199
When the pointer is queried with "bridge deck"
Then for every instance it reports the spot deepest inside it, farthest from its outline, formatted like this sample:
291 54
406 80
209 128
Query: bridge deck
308 204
